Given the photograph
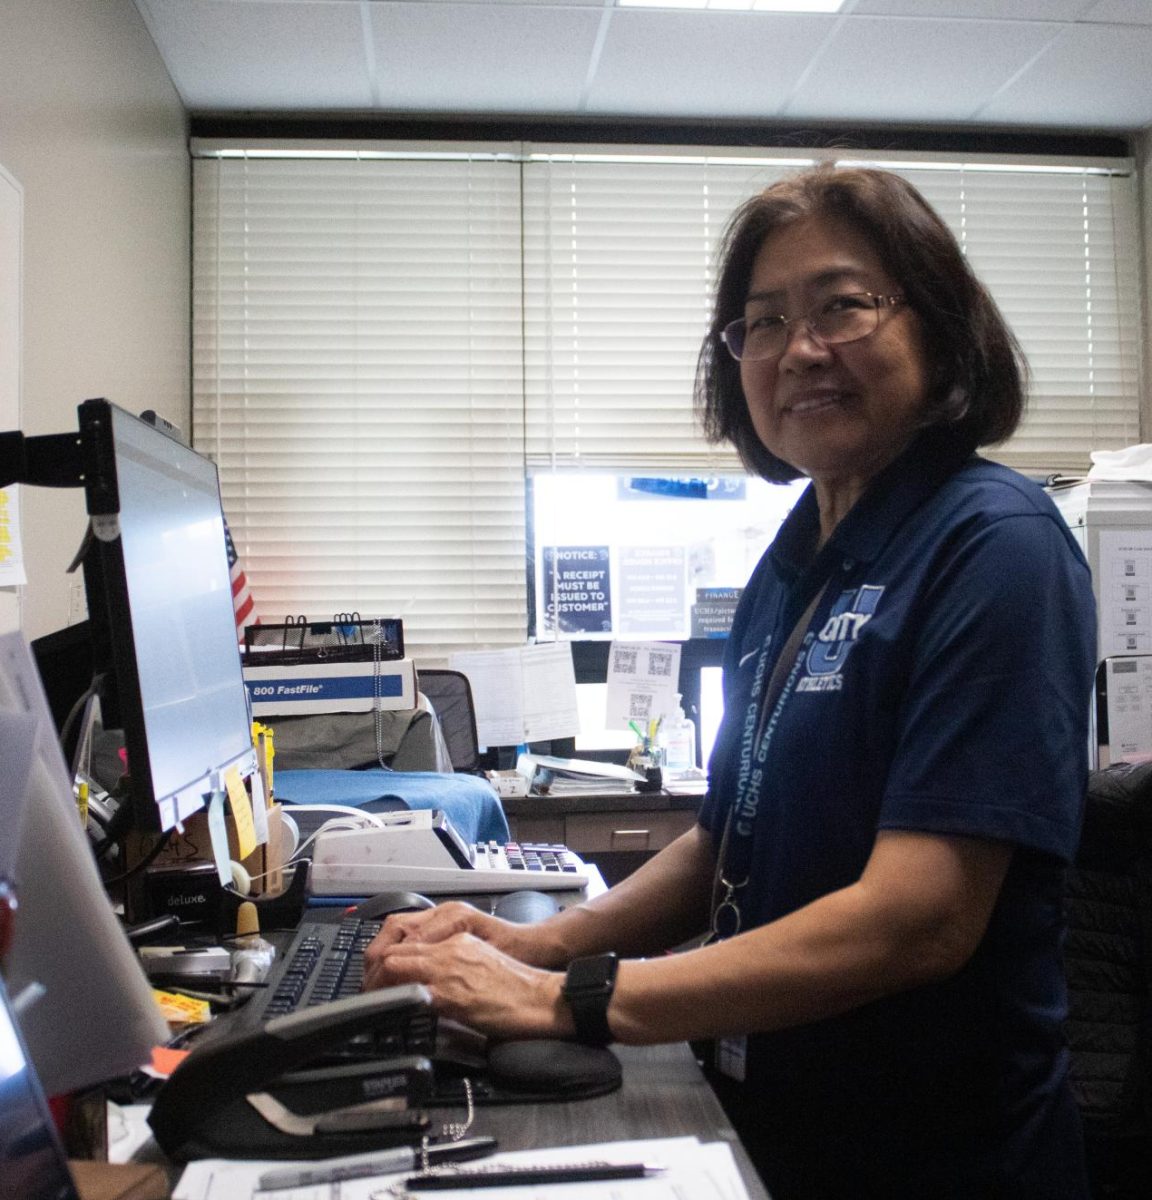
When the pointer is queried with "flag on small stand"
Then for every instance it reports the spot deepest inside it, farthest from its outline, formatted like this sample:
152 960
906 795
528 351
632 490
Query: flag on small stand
242 602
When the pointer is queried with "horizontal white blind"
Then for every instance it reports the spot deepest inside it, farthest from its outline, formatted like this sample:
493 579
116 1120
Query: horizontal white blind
619 270
1059 252
383 348
358 380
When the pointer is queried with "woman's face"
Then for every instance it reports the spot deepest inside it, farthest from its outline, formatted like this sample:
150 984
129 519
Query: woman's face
837 413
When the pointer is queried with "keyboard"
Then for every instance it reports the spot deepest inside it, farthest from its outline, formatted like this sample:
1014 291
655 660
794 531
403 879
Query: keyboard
322 961
325 959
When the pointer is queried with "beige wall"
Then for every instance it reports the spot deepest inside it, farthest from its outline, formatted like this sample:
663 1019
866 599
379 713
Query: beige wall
93 130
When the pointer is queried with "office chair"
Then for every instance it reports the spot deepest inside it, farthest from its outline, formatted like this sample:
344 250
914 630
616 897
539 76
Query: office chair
450 695
1108 963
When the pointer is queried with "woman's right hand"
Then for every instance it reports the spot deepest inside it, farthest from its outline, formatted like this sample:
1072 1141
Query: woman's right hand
527 943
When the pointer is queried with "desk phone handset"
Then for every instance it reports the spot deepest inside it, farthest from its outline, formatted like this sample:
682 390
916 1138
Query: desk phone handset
284 1090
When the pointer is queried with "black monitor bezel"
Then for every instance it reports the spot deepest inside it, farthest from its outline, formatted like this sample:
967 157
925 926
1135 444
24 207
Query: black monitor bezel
117 673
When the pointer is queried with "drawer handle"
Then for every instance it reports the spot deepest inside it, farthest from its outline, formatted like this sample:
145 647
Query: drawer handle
639 837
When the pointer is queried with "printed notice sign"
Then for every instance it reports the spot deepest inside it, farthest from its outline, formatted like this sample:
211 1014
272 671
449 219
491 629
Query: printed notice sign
577 589
652 590
1125 592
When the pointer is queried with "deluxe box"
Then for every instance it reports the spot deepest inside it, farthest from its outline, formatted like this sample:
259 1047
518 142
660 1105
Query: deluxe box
347 687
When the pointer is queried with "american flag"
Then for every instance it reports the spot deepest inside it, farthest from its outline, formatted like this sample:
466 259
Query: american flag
242 602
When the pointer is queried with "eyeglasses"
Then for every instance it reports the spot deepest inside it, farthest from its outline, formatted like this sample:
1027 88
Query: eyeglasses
833 321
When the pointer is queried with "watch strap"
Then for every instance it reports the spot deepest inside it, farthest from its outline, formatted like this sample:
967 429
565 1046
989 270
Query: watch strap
588 988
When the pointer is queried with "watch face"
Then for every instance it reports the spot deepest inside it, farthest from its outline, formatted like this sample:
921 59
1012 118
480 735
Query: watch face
594 974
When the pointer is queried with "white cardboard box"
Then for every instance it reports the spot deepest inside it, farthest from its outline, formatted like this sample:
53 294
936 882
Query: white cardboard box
331 688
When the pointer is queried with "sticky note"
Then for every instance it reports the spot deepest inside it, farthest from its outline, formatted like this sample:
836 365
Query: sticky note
241 813
218 832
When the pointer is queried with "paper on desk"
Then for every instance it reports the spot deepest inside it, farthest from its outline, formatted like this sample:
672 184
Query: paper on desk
695 1172
523 694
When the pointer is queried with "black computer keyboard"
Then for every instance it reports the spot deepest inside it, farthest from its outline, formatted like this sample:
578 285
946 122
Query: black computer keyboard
324 961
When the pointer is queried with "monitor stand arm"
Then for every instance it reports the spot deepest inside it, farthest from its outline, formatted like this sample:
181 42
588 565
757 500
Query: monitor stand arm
50 460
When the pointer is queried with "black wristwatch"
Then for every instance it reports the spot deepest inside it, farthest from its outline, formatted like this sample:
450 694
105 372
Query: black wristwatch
588 989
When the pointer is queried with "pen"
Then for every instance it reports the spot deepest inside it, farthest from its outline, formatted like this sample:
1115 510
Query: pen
514 1175
378 1162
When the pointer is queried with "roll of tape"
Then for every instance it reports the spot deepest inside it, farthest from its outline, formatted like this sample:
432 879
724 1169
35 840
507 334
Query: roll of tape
241 880
291 832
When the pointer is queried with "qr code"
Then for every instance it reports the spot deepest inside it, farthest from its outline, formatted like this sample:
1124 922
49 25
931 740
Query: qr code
624 661
640 706
660 663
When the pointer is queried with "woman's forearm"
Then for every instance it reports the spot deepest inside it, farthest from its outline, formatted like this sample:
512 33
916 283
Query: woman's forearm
659 906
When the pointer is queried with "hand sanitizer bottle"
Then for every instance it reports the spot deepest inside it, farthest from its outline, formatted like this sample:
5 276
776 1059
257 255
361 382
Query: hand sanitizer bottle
679 738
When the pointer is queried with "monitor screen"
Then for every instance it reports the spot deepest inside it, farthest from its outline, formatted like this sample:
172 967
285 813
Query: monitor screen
160 601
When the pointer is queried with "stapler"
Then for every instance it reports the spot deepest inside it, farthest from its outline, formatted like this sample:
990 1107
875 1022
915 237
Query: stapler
233 1095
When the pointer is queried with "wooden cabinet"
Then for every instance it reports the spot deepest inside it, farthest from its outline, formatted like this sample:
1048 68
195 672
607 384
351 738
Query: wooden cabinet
616 831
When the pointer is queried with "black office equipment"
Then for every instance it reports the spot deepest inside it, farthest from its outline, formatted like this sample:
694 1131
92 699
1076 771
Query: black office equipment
160 605
347 637
221 1100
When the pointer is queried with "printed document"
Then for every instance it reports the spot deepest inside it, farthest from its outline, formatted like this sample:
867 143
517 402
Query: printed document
695 1171
523 694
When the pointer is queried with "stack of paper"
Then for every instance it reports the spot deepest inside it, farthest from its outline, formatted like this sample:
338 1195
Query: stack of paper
703 1171
547 775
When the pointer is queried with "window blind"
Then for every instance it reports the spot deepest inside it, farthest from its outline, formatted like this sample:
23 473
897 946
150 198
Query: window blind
384 348
357 377
619 268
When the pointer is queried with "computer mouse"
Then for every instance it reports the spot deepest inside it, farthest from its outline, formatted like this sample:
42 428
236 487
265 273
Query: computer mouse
383 904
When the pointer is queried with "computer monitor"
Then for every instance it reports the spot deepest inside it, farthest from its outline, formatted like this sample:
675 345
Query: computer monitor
162 620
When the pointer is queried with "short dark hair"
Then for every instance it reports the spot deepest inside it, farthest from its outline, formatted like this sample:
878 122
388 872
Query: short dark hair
977 370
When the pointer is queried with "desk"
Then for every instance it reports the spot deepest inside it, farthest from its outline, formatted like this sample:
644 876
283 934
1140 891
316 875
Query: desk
664 1095
615 830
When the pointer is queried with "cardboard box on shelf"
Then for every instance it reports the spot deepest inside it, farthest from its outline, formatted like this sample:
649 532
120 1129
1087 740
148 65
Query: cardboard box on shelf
194 844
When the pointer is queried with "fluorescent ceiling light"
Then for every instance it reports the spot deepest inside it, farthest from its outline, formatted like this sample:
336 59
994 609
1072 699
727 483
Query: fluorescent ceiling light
807 6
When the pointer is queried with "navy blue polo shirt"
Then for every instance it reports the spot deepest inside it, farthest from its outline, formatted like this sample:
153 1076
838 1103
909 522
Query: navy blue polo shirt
943 686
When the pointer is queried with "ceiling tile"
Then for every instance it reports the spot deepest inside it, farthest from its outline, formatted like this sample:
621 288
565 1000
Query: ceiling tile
1003 10
481 58
928 70
1091 77
703 64
261 56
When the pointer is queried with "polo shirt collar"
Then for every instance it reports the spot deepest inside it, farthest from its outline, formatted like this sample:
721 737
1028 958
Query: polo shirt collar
867 527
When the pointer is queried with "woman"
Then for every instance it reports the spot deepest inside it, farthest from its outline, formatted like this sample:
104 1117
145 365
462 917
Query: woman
896 786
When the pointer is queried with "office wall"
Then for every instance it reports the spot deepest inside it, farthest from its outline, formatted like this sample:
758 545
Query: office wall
94 131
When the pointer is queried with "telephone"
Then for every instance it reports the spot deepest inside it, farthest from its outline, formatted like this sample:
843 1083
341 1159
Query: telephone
291 1088
420 850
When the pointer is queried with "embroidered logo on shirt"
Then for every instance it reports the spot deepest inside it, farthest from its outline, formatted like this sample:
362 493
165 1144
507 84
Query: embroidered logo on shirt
827 655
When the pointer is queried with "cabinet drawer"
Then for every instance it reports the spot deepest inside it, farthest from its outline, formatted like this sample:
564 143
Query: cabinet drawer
538 829
589 832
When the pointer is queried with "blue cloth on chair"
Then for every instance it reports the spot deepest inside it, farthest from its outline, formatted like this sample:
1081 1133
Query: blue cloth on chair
469 802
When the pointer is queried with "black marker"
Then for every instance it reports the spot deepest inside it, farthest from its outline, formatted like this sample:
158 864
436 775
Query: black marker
515 1175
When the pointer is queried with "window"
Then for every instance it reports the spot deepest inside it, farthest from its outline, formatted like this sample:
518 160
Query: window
396 352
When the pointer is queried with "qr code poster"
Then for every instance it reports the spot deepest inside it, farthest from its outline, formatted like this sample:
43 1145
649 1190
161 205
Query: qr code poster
642 682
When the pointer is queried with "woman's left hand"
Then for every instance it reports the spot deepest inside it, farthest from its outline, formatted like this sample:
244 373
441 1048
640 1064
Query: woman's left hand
478 985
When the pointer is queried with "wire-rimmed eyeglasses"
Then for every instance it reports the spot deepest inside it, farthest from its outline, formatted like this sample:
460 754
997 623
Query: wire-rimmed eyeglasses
846 317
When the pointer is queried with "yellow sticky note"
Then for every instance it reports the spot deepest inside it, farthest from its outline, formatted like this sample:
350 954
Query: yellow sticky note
241 812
